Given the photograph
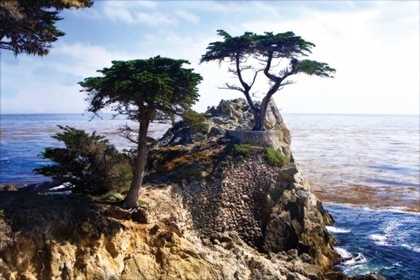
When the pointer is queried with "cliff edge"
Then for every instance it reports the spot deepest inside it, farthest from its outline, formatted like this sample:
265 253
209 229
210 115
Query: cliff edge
216 204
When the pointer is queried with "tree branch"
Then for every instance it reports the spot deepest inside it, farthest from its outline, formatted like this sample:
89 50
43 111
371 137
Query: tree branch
126 132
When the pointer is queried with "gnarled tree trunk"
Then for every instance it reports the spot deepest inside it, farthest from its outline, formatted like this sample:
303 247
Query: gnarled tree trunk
131 200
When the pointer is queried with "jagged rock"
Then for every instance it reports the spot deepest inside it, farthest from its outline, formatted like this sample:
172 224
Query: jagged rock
297 219
236 115
235 217
216 131
232 115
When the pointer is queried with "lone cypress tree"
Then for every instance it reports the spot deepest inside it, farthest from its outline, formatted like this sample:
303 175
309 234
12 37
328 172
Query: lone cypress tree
267 49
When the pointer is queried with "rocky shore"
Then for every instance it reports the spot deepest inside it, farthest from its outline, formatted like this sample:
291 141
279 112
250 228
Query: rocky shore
214 208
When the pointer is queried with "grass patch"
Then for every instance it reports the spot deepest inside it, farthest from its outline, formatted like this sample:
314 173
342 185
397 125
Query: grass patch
237 150
113 197
144 203
274 157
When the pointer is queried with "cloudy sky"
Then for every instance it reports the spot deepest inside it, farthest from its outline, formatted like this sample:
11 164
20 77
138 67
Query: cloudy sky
373 45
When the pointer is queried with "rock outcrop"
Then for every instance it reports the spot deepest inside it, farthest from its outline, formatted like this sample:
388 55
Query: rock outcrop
234 116
212 210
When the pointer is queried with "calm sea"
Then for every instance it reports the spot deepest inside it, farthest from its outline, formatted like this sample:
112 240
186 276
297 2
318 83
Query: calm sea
352 162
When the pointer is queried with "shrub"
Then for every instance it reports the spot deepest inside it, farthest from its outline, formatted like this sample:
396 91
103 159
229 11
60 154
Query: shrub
89 162
195 121
274 157
243 150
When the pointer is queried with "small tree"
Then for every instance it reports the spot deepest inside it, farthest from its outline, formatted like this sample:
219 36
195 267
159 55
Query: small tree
268 50
144 90
89 162
28 26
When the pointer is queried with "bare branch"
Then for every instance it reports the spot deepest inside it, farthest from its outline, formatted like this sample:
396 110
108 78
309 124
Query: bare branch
126 132
233 87
255 77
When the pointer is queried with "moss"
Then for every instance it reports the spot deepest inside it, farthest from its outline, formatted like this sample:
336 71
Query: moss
274 157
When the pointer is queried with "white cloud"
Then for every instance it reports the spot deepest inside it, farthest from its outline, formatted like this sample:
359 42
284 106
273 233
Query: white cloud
373 45
119 13
132 13
155 19
86 59
187 16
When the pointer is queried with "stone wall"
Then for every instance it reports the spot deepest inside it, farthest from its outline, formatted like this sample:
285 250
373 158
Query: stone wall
234 202
271 208
270 138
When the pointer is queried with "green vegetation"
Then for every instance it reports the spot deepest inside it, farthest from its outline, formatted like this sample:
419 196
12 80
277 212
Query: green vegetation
144 90
195 121
268 50
274 157
29 26
113 197
143 203
243 150
89 162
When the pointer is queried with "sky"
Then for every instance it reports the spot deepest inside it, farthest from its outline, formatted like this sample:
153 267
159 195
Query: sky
373 45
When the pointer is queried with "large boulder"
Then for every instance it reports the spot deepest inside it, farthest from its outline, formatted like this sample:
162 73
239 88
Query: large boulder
294 218
237 119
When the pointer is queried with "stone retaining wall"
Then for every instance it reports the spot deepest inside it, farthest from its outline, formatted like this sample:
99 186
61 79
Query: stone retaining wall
233 203
270 138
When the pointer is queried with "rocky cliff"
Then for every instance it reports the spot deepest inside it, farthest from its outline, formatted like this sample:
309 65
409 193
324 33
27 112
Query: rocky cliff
214 207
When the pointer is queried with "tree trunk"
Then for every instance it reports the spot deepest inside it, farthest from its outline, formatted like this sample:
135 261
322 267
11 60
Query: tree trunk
131 200
263 110
259 126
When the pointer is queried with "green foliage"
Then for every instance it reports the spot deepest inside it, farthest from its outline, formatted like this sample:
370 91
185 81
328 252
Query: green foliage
195 121
154 88
113 197
144 90
91 164
243 150
267 50
274 157
29 26
267 47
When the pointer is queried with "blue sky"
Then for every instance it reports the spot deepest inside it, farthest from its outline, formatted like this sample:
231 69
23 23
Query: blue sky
374 45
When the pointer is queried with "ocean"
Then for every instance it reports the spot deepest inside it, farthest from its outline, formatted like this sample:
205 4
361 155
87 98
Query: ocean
365 169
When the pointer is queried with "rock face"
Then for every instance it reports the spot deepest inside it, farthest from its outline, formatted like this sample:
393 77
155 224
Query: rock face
234 116
210 213
94 241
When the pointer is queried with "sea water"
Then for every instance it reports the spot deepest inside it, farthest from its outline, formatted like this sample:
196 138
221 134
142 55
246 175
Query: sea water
336 152
378 152
24 137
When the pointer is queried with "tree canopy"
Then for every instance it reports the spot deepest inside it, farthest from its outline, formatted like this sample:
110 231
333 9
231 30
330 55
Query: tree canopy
144 90
268 50
28 26
88 162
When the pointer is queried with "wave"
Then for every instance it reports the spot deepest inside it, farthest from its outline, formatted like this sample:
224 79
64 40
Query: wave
379 239
337 230
350 259
412 247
